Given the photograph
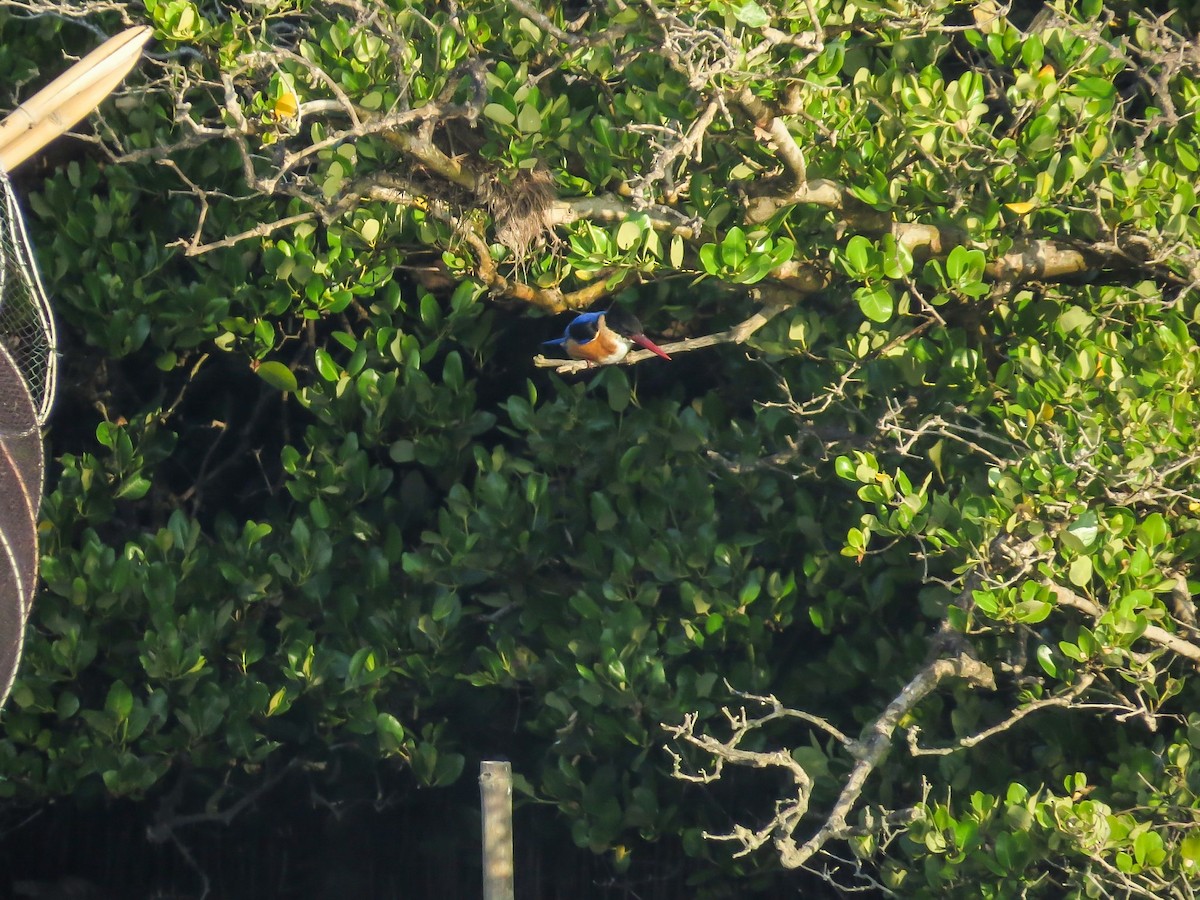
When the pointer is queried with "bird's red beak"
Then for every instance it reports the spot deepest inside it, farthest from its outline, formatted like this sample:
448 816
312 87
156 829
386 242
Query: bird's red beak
642 341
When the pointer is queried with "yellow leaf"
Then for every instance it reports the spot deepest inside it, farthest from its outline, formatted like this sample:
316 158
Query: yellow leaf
276 699
1025 206
287 106
987 15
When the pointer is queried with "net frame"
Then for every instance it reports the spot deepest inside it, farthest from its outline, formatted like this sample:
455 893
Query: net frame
26 321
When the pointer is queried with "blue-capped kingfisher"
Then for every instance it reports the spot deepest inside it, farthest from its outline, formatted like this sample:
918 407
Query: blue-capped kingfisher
603 338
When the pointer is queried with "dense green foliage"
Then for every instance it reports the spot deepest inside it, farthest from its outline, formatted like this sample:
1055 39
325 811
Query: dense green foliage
312 499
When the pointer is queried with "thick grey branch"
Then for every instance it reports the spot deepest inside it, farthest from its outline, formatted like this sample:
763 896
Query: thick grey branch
875 746
1154 634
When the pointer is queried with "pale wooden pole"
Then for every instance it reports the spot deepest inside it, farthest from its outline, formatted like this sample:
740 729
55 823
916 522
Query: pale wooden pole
495 790
70 97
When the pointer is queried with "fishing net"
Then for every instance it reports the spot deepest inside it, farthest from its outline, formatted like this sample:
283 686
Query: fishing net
27 373
26 326
20 497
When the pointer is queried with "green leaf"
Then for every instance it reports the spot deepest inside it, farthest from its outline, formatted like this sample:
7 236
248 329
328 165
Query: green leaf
1085 529
370 230
445 606
964 266
602 512
133 488
119 701
529 120
733 247
1187 155
1032 51
452 371
605 133
431 312
1148 849
403 451
750 13
390 732
618 389
66 706
498 113
876 303
326 367
1045 658
1140 563
588 609
785 249
106 434
1075 318
1189 848
1072 651
858 255
750 591
520 413
845 467
1080 572
1031 611
628 234
676 252
448 769
897 258
935 457
1095 87
1154 529
277 703
278 376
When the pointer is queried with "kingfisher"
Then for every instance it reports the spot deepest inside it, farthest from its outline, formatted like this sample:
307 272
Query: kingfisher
603 338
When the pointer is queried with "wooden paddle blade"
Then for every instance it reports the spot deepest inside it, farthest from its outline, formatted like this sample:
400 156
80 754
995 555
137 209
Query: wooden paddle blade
69 97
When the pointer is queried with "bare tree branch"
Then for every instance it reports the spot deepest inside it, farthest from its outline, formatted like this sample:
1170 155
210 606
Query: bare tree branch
868 751
1065 699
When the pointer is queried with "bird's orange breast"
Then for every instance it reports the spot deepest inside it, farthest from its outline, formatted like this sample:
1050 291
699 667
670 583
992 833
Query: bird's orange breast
606 347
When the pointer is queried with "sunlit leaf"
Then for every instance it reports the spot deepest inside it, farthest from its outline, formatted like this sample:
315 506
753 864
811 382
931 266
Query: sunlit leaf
277 375
287 105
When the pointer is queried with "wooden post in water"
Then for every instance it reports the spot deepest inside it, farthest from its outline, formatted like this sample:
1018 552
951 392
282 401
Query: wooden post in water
495 791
